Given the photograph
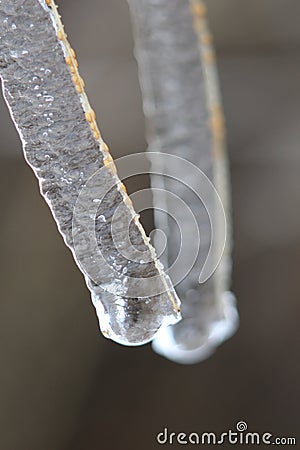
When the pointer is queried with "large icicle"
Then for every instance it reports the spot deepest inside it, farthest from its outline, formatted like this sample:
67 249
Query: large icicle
62 144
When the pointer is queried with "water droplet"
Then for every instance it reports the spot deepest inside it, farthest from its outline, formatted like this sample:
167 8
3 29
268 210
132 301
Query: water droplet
14 54
48 98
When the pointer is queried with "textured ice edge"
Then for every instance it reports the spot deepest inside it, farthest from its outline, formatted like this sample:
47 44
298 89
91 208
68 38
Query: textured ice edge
64 154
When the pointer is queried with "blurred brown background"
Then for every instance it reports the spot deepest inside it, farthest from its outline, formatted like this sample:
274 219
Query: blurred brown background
65 387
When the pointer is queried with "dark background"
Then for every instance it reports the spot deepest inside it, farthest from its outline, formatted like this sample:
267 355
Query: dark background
65 387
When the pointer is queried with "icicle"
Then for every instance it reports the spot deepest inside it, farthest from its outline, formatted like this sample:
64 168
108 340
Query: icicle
62 144
184 118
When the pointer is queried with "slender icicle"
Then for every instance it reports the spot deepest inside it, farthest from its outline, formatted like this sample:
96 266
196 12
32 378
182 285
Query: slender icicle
184 118
61 142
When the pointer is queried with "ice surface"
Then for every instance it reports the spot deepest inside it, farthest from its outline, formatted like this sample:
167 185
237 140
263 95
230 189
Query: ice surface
60 147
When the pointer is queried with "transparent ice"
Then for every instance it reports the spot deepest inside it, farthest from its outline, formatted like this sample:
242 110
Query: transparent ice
177 89
60 147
